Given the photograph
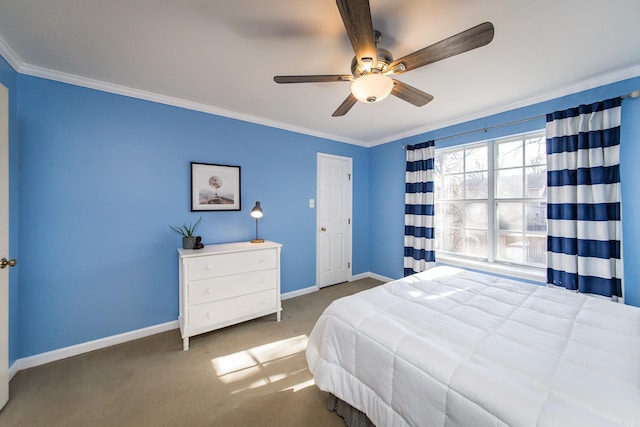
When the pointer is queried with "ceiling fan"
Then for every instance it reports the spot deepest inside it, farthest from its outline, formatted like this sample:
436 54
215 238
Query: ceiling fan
372 66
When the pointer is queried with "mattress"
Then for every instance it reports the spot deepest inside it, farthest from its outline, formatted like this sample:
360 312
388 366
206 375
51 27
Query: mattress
450 347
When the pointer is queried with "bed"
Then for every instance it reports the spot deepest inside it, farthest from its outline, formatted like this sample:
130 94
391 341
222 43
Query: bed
459 348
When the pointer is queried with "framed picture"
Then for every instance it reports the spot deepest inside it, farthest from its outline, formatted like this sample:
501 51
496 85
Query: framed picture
215 187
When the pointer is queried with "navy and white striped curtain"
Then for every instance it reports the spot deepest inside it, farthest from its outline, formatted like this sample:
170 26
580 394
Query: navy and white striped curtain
419 243
583 211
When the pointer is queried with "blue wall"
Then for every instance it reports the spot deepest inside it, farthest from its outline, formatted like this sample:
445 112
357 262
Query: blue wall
101 178
9 78
388 163
630 178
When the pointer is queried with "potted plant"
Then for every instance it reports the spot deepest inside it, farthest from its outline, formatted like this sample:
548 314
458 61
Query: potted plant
188 239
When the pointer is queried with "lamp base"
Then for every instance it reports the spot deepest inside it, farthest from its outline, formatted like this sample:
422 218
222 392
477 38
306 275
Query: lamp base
257 240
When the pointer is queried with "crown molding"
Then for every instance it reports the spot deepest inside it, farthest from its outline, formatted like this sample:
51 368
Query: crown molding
23 68
20 66
172 101
592 83
10 56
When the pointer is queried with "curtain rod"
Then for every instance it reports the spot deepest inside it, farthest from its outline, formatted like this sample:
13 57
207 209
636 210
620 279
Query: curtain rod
485 129
634 94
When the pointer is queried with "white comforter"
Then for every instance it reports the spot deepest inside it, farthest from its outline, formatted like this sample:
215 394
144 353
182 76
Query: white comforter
457 348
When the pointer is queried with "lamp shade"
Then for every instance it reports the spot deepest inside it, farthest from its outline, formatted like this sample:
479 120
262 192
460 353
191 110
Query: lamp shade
256 212
371 87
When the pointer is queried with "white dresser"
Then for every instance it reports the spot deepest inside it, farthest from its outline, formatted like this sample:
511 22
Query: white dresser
225 284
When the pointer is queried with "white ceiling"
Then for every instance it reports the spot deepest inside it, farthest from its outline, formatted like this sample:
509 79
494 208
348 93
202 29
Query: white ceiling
220 56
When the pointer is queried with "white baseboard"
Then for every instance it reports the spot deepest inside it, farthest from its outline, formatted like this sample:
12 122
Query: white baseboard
355 277
74 350
299 292
13 369
375 276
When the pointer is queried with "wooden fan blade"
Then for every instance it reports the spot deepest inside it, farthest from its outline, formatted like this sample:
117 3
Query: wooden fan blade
472 38
313 78
356 16
410 94
345 106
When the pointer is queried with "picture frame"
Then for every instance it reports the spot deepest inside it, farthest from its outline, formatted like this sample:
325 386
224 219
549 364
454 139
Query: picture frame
215 187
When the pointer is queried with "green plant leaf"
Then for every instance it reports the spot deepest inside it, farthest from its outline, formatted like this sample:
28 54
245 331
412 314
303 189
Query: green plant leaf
186 230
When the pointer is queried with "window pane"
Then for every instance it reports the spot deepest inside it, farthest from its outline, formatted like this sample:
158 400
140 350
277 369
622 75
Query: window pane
516 203
452 240
510 216
536 182
536 250
511 248
536 216
509 183
509 154
476 216
535 151
452 162
442 217
476 159
452 187
452 214
476 242
476 185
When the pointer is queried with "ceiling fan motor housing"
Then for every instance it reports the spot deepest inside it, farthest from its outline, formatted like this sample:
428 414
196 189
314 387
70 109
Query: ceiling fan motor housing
366 66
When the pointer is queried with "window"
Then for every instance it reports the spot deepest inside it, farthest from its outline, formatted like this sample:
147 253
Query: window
491 201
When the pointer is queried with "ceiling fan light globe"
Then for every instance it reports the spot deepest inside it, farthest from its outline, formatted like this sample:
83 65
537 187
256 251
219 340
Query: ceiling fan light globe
370 88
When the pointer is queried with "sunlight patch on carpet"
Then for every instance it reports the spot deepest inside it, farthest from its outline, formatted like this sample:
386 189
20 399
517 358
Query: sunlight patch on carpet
300 386
247 364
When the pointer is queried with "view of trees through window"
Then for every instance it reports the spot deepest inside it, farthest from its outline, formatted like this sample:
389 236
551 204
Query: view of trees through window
491 200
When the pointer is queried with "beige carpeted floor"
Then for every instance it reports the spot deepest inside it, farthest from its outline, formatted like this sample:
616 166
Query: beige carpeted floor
252 374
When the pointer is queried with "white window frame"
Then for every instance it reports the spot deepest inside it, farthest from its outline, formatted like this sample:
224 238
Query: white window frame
531 273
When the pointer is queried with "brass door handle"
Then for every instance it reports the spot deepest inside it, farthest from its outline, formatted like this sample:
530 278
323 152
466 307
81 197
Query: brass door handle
4 263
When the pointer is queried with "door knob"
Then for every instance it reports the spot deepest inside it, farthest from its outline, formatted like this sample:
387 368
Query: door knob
4 263
323 229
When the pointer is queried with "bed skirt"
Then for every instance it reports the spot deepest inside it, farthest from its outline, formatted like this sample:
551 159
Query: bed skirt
352 417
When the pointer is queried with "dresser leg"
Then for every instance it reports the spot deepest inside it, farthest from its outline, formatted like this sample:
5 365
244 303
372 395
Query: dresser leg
185 343
278 316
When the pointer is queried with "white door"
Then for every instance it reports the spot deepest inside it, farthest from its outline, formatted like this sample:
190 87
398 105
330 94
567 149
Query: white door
4 245
333 219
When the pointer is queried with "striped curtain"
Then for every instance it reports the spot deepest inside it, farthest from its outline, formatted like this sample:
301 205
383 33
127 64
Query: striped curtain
583 211
419 243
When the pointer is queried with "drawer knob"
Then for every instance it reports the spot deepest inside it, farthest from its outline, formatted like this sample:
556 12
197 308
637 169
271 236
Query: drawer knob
209 291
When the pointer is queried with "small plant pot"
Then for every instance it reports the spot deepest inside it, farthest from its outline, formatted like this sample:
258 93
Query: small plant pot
188 242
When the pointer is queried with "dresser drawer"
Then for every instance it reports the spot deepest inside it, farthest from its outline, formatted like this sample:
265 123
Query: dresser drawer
218 288
230 263
225 311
